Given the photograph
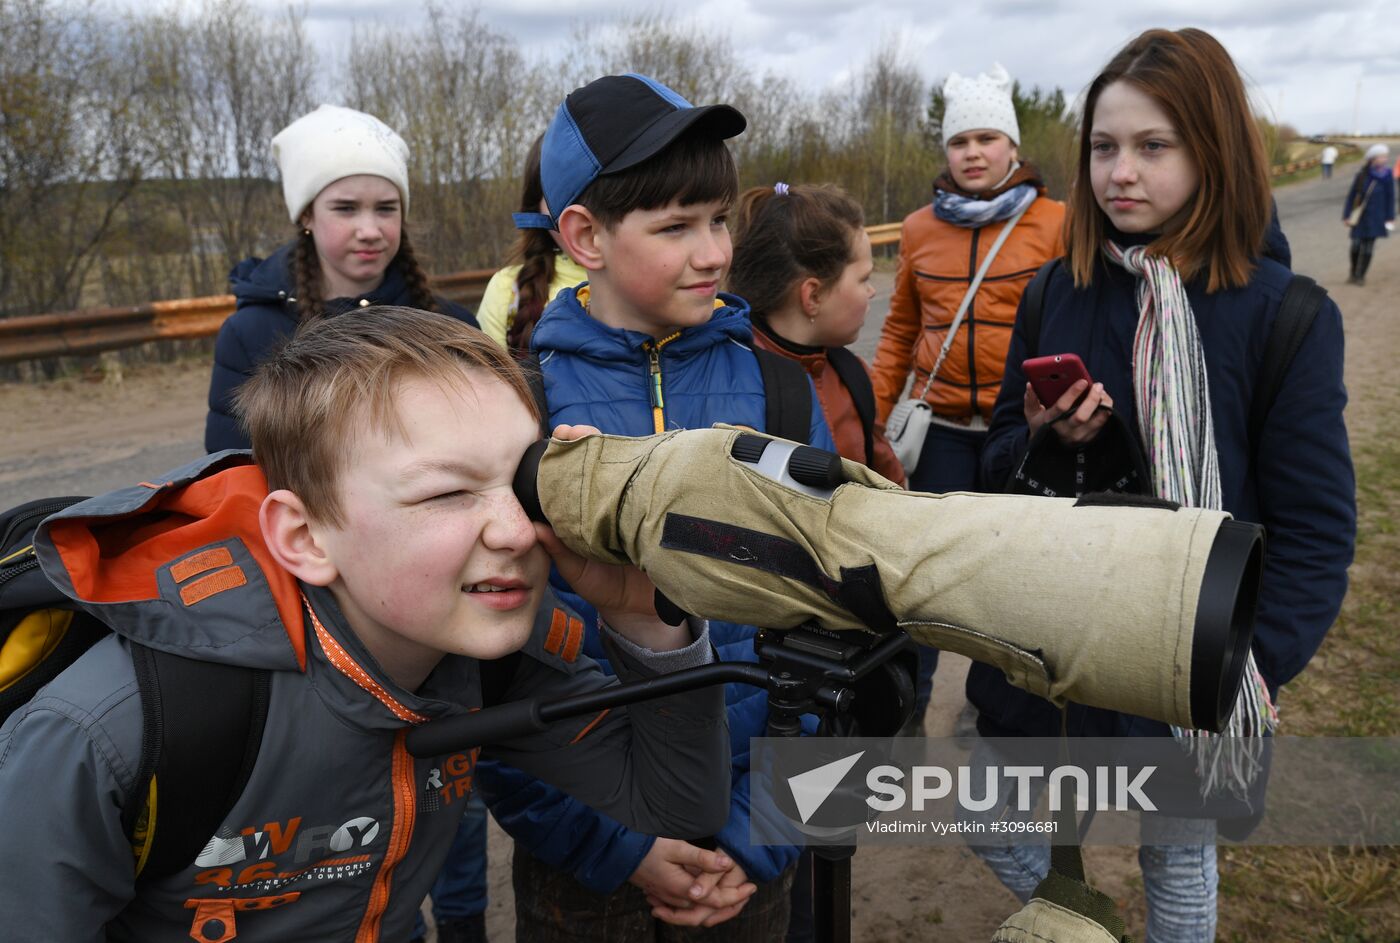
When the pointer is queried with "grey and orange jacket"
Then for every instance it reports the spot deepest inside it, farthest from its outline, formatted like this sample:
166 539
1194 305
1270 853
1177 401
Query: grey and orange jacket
937 262
339 832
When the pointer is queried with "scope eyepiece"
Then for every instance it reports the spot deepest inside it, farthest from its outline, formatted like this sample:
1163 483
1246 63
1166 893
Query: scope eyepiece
526 481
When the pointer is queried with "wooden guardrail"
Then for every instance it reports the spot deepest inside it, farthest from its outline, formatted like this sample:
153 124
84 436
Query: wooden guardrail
885 234
93 330
1280 170
89 331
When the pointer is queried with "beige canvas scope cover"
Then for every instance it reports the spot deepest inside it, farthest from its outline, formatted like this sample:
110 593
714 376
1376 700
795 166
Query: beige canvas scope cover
1091 604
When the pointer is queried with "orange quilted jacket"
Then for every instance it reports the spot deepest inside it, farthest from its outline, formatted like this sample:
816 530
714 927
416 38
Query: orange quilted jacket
937 262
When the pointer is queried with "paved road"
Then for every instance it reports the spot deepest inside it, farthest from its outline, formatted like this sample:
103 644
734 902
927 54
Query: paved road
68 451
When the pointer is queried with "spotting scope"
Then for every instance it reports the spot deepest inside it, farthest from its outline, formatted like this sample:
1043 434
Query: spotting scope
1111 601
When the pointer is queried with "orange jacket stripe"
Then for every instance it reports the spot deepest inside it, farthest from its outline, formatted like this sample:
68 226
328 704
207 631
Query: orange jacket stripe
405 812
347 665
201 563
217 582
558 625
591 724
574 642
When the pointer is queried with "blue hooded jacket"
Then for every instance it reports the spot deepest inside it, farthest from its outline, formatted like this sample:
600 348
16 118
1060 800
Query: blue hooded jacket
1380 202
599 375
1299 485
266 314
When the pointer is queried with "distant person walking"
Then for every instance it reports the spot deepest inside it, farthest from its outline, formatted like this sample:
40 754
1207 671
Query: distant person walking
1329 157
1370 209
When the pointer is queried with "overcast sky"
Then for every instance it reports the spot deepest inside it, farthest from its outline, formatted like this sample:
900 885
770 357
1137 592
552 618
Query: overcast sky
1303 58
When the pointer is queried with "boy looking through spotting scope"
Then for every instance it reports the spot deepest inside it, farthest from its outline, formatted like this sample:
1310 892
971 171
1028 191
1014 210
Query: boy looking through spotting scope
375 567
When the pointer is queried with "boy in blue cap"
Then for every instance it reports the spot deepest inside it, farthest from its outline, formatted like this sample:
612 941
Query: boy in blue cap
637 181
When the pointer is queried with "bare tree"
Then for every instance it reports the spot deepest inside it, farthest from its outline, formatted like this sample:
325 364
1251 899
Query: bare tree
69 156
452 90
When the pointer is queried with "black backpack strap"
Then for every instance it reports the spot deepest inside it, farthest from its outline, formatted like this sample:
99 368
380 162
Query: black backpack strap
852 373
202 729
788 396
1302 301
1033 303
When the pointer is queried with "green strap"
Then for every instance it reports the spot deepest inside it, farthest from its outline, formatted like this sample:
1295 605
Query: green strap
1065 885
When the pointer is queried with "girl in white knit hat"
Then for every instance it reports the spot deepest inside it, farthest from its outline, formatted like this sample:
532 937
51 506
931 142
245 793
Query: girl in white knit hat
345 182
957 288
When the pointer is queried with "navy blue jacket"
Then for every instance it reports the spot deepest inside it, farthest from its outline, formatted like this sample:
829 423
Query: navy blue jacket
1300 485
266 314
1380 206
599 375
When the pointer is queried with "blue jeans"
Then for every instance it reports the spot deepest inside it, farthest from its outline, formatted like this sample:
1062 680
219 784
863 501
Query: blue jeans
1177 857
460 889
951 460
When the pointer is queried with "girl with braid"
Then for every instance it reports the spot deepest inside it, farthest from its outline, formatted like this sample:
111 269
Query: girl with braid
1168 294
345 181
516 295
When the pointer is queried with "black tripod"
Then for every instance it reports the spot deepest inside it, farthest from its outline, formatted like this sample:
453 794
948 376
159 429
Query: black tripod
857 682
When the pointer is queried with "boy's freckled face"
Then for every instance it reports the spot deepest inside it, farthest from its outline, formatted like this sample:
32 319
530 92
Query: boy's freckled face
663 267
436 554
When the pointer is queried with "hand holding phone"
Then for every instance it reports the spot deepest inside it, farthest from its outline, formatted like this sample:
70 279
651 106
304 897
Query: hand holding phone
1051 376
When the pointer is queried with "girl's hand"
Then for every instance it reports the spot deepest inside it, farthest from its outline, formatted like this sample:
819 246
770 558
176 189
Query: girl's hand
1075 425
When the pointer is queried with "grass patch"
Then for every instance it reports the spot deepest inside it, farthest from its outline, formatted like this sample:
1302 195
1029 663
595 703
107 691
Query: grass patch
1351 689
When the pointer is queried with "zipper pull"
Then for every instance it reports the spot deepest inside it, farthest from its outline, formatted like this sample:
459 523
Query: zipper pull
658 403
654 377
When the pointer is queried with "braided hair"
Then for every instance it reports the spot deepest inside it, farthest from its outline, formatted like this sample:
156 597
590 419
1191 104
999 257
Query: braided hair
535 251
306 276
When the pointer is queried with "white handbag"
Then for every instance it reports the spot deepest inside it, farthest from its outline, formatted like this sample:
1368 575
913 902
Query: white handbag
907 426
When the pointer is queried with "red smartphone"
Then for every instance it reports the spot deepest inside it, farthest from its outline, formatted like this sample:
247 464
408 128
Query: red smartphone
1051 376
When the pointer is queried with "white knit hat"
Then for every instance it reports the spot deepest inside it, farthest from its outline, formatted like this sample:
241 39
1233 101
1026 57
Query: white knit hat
981 102
332 142
1377 150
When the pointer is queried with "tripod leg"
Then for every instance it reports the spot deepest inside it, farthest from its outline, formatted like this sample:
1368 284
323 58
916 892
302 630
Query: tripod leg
831 893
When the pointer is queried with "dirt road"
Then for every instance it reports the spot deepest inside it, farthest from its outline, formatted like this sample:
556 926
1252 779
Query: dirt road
77 437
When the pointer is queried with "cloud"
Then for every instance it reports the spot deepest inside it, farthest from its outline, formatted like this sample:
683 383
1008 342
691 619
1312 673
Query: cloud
1303 57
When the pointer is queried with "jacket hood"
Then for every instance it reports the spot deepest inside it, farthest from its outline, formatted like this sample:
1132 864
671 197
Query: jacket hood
180 565
262 281
270 281
567 327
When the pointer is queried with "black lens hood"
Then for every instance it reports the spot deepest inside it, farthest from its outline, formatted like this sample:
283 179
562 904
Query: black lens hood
1225 622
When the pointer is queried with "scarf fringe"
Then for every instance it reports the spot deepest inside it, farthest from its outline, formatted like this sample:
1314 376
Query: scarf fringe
1175 422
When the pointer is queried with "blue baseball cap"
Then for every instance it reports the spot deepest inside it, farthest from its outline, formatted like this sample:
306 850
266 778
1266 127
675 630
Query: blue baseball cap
609 125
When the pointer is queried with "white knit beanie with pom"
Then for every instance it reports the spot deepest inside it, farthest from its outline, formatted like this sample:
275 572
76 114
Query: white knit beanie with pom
981 102
332 142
